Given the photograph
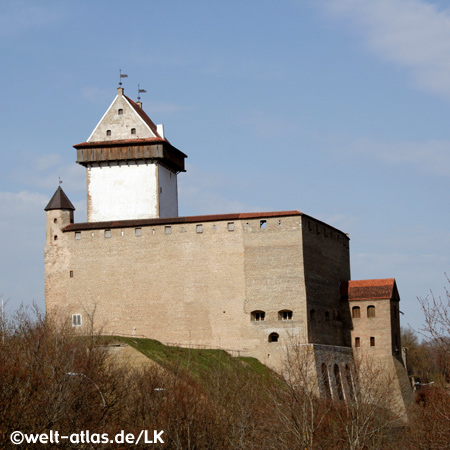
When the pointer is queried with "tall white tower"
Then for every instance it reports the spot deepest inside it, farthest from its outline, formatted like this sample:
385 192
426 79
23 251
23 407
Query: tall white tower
131 169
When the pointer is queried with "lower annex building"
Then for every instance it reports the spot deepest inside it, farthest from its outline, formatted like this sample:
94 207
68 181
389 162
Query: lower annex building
253 283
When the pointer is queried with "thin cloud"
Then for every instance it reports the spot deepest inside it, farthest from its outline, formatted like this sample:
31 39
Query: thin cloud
429 157
413 34
19 16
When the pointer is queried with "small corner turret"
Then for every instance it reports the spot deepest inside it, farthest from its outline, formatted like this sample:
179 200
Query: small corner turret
59 212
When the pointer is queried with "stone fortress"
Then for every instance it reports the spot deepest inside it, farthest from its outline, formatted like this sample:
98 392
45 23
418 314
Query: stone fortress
248 282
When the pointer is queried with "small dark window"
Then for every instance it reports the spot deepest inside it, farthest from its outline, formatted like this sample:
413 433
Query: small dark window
273 337
356 312
357 342
258 316
371 311
285 315
133 131
55 220
372 341
263 224
76 320
71 274
120 112
108 132
55 237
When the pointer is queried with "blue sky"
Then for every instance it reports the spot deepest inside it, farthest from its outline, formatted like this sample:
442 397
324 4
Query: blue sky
337 108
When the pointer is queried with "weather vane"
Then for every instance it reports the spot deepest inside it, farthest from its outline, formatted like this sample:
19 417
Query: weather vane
122 75
140 91
60 181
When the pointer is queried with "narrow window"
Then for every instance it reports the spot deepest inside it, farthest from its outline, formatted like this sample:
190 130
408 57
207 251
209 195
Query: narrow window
357 342
337 376
77 235
107 233
199 228
120 112
168 229
76 320
108 132
263 224
55 237
138 231
133 131
285 315
71 274
312 314
356 312
372 341
348 375
371 311
258 316
326 381
55 220
273 337
230 226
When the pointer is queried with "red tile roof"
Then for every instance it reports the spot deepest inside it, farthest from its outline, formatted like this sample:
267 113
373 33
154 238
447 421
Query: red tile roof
118 143
368 289
143 116
177 220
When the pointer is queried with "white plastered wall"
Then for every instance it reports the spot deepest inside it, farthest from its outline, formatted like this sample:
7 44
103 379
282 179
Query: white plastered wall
124 192
168 196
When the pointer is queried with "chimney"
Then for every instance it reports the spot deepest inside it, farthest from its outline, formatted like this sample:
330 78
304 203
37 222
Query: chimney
160 130
139 104
120 91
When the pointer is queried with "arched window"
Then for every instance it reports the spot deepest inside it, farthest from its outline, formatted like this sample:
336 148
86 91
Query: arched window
108 132
285 314
337 377
273 337
348 376
120 111
326 381
371 311
312 314
258 316
133 131
356 312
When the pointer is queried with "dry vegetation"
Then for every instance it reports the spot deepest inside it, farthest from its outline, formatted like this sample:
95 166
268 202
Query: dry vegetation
51 379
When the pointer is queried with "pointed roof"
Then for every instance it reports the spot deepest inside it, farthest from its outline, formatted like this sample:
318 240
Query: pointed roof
369 289
59 201
123 115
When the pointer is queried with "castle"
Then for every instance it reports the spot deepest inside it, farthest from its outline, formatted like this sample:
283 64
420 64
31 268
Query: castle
249 282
